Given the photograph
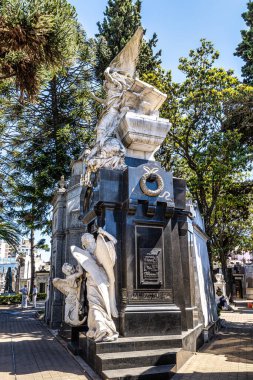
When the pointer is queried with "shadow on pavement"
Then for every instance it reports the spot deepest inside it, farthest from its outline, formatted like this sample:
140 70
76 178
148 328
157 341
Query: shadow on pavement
213 376
27 348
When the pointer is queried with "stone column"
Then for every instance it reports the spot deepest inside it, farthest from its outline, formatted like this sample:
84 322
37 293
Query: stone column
55 304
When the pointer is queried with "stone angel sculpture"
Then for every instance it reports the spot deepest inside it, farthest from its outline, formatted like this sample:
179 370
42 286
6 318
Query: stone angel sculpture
119 77
124 92
71 287
98 259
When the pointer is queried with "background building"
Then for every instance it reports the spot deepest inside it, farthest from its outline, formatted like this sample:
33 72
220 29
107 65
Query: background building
20 263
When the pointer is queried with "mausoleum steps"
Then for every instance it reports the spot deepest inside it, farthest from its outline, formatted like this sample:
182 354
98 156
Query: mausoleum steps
133 359
140 343
146 357
162 372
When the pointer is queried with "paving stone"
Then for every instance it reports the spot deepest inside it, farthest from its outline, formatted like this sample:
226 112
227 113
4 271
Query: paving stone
229 356
28 350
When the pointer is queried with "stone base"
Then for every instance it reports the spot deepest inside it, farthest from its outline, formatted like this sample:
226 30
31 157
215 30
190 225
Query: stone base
211 330
124 359
71 335
142 135
145 320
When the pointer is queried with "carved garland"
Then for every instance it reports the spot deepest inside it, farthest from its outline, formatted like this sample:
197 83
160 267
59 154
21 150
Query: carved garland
146 190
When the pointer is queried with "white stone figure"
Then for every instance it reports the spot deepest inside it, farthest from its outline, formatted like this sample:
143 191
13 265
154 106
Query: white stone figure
71 287
119 77
98 259
130 113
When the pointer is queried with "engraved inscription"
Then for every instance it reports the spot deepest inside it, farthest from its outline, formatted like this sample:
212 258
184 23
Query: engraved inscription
149 257
145 296
150 266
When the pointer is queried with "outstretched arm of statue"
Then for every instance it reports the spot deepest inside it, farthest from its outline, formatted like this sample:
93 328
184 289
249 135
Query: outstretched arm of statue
102 232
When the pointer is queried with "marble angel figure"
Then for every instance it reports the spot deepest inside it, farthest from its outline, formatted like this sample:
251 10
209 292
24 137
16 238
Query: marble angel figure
71 287
119 77
98 259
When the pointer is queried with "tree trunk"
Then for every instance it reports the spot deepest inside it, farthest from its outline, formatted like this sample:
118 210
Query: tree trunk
223 260
32 260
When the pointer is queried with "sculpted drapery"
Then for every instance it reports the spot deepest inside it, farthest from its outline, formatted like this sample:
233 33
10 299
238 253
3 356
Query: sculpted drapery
98 258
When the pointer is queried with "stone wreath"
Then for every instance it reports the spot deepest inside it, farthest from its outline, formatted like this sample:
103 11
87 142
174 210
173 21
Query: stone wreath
156 177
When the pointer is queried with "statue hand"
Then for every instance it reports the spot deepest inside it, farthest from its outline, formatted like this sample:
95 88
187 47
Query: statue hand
100 230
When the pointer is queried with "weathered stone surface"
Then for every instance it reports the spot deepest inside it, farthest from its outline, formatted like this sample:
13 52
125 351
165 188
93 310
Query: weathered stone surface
142 135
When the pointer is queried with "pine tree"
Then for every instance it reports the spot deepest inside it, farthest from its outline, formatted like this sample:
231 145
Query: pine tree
46 137
239 108
121 20
39 141
35 37
245 48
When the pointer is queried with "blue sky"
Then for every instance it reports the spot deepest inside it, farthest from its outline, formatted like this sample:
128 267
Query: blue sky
180 24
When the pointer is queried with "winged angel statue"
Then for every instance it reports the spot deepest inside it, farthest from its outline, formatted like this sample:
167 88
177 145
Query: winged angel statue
123 92
98 258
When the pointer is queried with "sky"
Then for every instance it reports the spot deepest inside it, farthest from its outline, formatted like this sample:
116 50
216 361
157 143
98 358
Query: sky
180 24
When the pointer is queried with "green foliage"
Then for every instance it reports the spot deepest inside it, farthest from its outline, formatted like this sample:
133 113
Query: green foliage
199 149
17 298
245 48
10 300
45 137
41 296
121 20
35 37
9 232
41 244
238 111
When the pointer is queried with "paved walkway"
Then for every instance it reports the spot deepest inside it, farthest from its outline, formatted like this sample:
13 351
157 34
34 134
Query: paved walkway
229 356
29 352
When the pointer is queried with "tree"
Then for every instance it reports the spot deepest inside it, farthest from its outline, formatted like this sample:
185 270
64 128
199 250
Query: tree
232 224
239 108
245 48
35 37
121 20
197 148
9 233
41 140
45 138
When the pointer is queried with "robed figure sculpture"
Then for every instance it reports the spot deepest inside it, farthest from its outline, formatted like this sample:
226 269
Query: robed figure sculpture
98 259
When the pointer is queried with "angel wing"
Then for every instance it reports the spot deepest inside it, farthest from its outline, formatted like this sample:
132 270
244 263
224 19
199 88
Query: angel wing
89 264
127 58
106 256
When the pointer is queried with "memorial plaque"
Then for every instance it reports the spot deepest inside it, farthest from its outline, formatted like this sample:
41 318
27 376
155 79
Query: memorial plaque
150 266
149 248
137 296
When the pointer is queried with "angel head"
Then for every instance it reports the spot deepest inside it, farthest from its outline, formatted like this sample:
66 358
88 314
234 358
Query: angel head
88 242
68 269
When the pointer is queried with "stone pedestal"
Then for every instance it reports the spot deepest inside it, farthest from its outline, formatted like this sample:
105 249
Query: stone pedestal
142 135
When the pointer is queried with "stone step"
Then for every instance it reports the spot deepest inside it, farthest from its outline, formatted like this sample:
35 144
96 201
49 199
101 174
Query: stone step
136 343
133 359
161 372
